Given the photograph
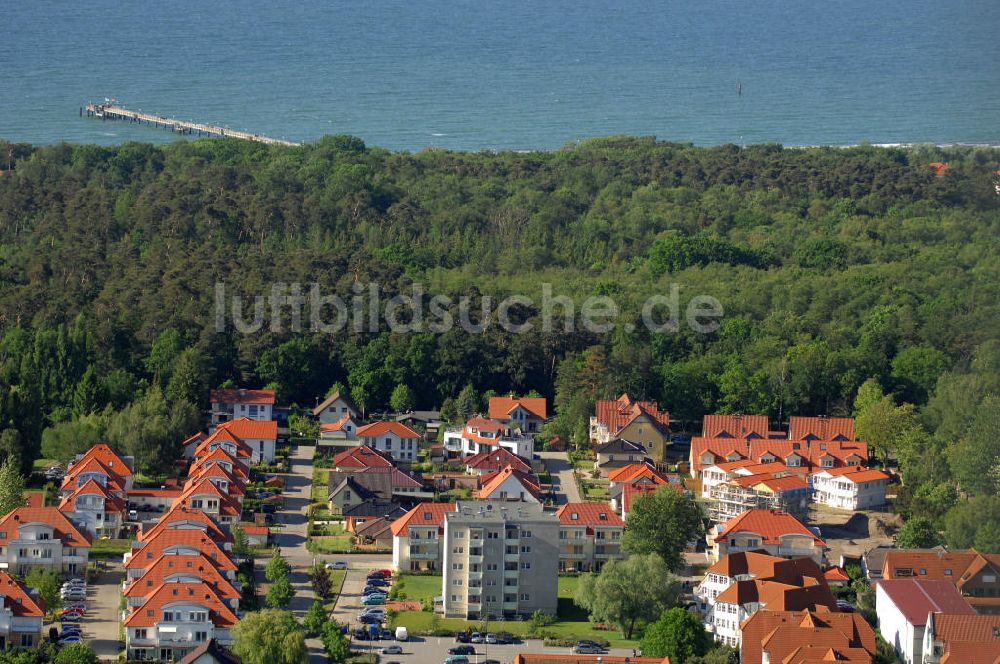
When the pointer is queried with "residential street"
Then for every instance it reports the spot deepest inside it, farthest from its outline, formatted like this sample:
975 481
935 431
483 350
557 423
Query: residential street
563 483
101 623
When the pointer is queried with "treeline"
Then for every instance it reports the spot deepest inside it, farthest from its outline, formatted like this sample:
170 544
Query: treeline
833 266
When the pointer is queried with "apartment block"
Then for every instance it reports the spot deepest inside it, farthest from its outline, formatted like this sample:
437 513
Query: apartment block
590 534
500 559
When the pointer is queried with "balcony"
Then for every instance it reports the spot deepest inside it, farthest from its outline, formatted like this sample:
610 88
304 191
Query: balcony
511 574
423 555
511 557
509 606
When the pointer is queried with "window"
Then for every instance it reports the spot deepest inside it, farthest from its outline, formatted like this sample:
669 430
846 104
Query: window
458 566
923 572
525 597
525 549
525 533
140 633
458 549
456 582
459 534
200 636
525 565
493 534
26 640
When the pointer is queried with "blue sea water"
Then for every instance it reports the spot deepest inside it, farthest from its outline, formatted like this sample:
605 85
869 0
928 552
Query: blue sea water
519 74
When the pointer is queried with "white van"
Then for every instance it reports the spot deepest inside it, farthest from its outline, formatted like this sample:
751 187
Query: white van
402 634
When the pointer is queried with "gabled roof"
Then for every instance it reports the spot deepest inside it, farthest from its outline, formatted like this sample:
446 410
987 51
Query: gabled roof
721 450
762 565
620 446
915 598
771 525
588 514
195 439
617 414
780 596
836 573
734 426
183 518
376 429
375 508
172 538
374 529
928 564
92 465
215 471
330 399
211 649
165 567
492 482
228 506
240 395
959 628
633 491
244 428
18 600
636 471
112 503
151 611
347 482
782 633
106 456
821 428
496 458
772 483
500 408
375 482
336 426
223 437
362 456
424 514
855 474
220 455
62 528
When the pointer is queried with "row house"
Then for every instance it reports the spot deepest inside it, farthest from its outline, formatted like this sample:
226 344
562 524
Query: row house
177 541
41 537
183 518
224 460
206 495
180 569
103 465
850 488
259 436
903 606
230 404
739 427
805 637
777 533
975 575
175 618
395 439
525 413
417 538
590 534
510 485
343 431
228 442
641 422
756 427
499 560
742 583
707 453
484 435
335 408
95 510
726 471
22 613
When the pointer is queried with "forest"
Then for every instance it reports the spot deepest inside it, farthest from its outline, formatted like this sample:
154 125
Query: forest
853 281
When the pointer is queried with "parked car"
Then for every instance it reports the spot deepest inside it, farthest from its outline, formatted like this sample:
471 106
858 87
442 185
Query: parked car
391 650
71 617
337 564
371 619
73 594
505 638
374 600
462 650
489 661
373 591
70 639
75 581
378 582
402 634
74 609
462 637
492 639
361 634
457 660
267 508
587 649
476 638
375 610
69 630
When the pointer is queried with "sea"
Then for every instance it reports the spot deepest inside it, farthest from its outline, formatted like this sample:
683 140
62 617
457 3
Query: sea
508 74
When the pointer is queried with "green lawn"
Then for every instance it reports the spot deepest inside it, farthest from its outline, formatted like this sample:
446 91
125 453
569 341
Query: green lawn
419 587
320 491
571 625
595 489
338 544
109 548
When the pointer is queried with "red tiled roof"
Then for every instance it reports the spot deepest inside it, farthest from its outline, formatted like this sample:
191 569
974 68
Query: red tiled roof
236 484
493 481
820 428
18 600
779 596
376 429
782 633
115 481
228 506
424 514
588 514
222 437
183 518
735 426
220 455
956 628
256 530
497 459
855 474
106 456
202 594
769 524
361 456
63 529
928 564
940 168
336 426
762 565
239 395
617 414
773 483
170 538
636 471
154 493
721 450
188 565
632 492
915 598
836 573
244 428
501 407
34 498
92 488
553 658
971 652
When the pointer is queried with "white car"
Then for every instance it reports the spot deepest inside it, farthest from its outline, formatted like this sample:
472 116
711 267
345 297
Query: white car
72 638
391 650
339 564
73 594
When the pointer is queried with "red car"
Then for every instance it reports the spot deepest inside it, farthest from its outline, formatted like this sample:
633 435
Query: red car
77 611
386 573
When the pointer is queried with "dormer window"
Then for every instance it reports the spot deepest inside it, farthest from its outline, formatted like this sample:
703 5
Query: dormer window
822 446
602 516
574 516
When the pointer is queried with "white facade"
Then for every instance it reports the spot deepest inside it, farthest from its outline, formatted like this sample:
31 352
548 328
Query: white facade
844 492
334 411
36 547
904 637
460 441
711 477
90 515
261 449
181 627
511 489
223 412
420 550
18 631
399 448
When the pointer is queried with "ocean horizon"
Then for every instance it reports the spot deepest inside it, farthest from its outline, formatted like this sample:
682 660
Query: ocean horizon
514 76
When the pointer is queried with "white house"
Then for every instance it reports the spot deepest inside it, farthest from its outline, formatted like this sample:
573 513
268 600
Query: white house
850 487
416 538
43 537
261 437
394 438
94 509
176 618
777 533
229 404
481 435
525 413
334 408
21 614
345 429
903 605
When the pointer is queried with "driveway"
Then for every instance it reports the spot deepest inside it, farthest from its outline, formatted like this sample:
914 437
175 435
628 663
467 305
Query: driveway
100 625
563 483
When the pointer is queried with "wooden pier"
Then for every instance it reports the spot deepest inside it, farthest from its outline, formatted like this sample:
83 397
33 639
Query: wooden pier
112 111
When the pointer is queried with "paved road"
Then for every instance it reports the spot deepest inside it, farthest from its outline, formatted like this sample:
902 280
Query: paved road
433 650
100 625
563 483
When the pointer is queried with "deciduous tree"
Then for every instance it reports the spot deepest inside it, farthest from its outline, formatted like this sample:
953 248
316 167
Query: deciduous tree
269 637
663 522
678 634
614 596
